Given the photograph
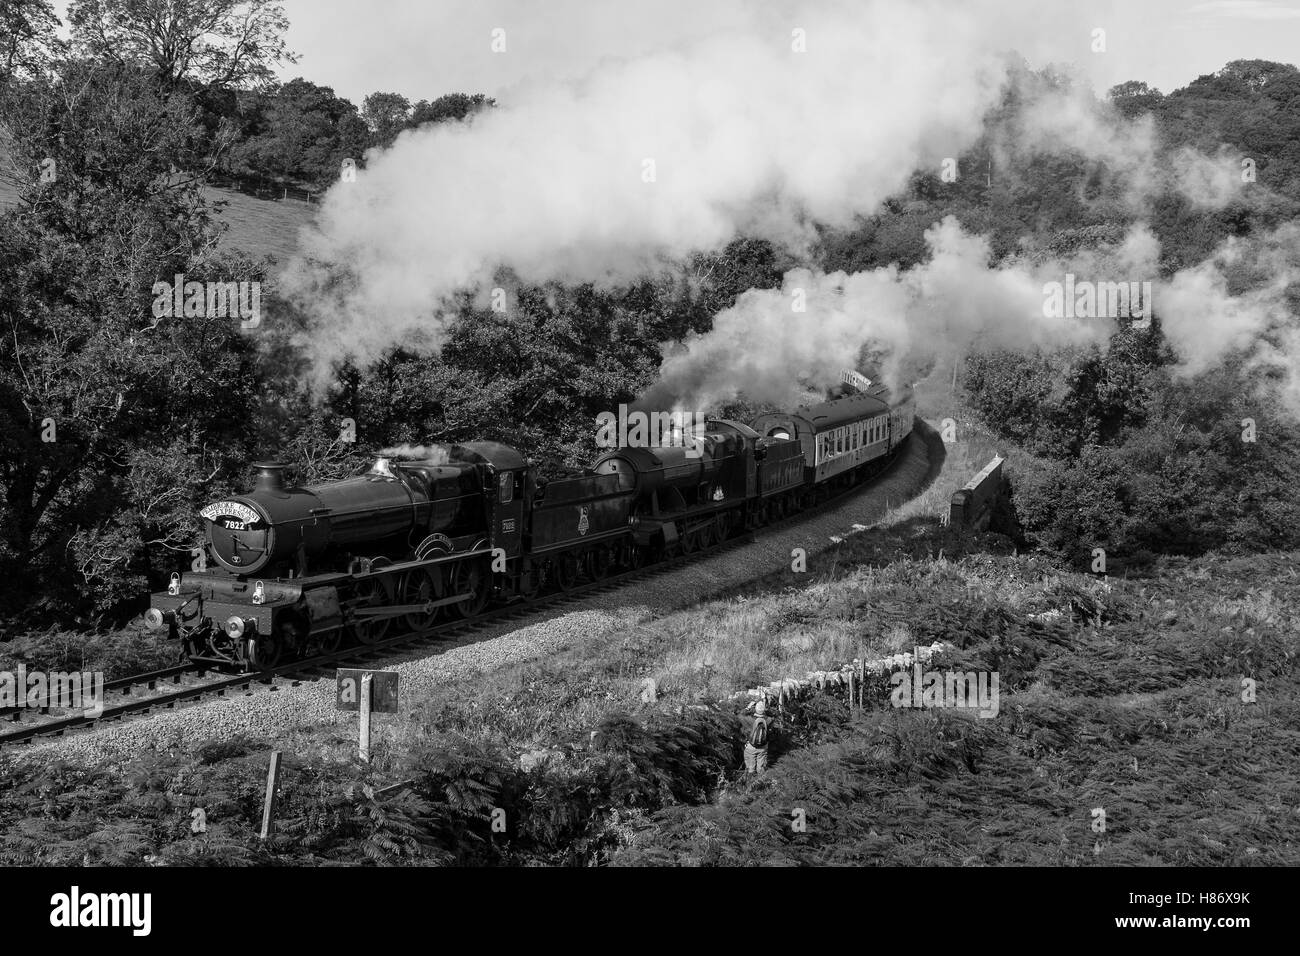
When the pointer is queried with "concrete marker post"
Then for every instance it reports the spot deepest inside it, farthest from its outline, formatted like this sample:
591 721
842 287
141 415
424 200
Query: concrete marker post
367 692
272 786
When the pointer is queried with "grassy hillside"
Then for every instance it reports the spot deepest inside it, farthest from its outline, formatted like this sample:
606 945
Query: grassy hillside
261 227
257 227
1121 695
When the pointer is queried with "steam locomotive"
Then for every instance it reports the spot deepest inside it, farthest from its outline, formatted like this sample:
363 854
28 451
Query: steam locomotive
405 542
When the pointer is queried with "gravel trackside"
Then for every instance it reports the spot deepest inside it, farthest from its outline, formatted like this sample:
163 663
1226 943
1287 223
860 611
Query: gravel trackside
264 712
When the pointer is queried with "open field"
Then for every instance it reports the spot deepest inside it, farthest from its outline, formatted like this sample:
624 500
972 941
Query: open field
261 227
256 227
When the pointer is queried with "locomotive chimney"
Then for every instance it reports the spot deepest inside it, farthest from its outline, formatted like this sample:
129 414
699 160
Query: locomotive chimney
270 477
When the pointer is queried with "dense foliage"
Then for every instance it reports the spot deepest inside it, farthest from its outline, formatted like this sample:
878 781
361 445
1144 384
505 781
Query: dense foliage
1181 465
115 425
1126 451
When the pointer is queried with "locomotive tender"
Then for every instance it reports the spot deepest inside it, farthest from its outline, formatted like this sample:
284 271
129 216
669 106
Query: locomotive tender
404 542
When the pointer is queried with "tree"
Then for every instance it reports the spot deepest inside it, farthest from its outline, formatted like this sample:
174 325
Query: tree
302 132
449 108
113 423
1257 74
219 43
386 114
27 36
1134 97
718 278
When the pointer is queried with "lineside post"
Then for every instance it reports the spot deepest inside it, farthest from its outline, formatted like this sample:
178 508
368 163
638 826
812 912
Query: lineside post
367 692
272 787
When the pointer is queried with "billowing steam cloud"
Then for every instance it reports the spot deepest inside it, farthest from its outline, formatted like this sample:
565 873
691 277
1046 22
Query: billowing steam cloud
745 135
954 300
767 348
435 454
762 344
1070 121
1205 319
648 160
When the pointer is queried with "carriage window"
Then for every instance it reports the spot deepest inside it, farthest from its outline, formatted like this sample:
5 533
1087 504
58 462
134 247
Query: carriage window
507 487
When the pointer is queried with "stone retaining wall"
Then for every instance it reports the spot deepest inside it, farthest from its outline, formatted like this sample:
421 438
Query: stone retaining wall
972 507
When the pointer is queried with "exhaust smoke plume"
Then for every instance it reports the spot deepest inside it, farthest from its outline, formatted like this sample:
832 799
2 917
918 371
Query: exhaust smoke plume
437 454
738 134
761 346
646 161
955 300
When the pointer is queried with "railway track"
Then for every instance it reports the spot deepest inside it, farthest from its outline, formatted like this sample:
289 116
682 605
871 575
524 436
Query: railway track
123 686
202 683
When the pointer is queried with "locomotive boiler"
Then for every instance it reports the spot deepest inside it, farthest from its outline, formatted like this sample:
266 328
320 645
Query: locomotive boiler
387 509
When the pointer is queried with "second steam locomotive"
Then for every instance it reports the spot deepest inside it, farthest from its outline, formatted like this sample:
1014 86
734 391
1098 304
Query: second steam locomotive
404 542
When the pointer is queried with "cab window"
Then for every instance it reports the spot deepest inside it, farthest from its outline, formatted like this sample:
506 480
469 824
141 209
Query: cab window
507 486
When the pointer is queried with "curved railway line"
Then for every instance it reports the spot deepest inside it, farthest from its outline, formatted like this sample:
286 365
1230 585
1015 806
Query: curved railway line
142 694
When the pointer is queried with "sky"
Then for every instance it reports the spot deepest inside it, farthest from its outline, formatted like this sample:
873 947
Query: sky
424 49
